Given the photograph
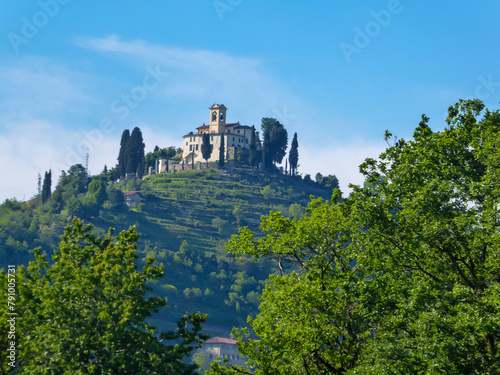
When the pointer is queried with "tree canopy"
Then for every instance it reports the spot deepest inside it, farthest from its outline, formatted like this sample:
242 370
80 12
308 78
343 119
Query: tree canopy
275 141
293 155
206 148
401 277
85 313
160 153
252 154
131 155
122 155
222 151
47 185
135 153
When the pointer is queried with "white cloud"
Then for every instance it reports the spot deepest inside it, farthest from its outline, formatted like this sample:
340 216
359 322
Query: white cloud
341 160
27 151
43 127
202 77
36 88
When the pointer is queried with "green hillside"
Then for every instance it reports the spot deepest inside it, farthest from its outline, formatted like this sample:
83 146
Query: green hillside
184 219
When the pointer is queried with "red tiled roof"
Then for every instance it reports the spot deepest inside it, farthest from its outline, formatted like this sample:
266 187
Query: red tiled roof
220 340
202 127
126 193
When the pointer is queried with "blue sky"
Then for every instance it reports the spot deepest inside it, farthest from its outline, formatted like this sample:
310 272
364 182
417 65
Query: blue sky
75 74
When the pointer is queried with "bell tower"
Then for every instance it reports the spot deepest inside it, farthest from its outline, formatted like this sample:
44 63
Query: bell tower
217 118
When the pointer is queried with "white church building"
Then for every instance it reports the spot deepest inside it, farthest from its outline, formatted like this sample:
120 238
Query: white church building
235 136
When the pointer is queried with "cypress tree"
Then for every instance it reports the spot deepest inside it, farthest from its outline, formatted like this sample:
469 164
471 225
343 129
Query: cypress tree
47 184
266 158
222 151
252 155
135 153
122 155
206 150
275 141
293 155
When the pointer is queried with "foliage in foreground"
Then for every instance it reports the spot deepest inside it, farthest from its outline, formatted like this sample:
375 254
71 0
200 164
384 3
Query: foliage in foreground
402 277
85 313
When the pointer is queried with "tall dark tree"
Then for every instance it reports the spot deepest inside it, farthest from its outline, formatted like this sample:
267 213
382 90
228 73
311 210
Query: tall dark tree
135 153
266 149
122 156
222 151
277 141
47 184
293 155
252 156
206 149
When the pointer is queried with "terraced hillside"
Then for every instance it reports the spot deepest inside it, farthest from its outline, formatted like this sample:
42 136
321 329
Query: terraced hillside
184 220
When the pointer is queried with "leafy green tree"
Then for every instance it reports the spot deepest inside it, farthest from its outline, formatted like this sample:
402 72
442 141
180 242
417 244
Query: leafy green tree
318 177
75 208
134 184
330 182
160 153
293 155
96 192
266 150
71 184
108 175
85 313
222 151
239 215
310 320
47 185
239 157
430 214
275 140
122 155
115 197
296 210
400 277
206 148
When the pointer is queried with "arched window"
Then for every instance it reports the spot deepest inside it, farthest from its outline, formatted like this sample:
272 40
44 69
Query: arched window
214 116
222 116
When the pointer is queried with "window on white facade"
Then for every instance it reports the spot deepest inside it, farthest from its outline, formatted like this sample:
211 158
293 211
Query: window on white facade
190 147
196 147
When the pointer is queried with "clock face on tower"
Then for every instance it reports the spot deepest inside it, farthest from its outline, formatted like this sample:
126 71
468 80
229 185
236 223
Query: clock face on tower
214 116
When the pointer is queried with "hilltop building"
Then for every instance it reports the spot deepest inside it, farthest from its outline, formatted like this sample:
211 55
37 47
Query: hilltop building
235 136
132 198
223 348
